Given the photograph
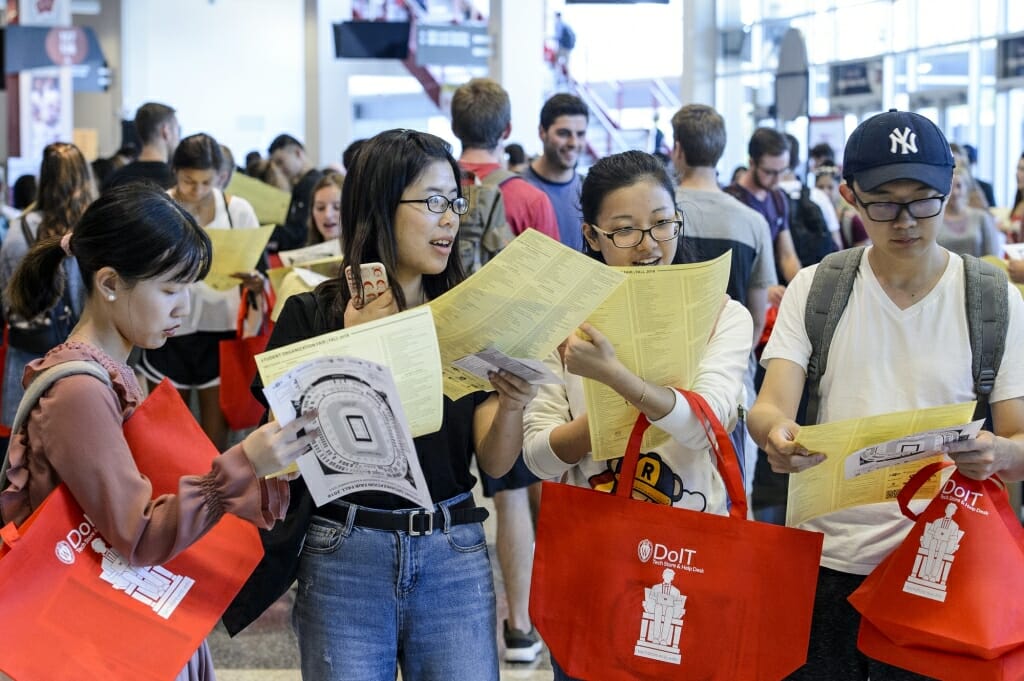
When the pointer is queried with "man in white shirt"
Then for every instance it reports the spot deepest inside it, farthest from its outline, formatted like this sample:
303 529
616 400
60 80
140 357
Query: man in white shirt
901 343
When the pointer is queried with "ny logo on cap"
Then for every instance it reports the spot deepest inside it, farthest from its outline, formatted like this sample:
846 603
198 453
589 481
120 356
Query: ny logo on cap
906 141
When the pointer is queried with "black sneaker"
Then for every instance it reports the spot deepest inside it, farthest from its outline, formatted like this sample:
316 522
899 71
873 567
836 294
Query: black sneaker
521 646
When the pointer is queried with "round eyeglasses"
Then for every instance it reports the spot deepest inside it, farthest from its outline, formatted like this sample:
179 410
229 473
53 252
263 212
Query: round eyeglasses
629 237
440 204
888 211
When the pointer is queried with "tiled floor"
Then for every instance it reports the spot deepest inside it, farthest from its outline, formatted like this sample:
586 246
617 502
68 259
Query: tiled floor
266 651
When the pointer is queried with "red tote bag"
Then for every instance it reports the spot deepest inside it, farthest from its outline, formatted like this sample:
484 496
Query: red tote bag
71 609
624 589
238 369
947 601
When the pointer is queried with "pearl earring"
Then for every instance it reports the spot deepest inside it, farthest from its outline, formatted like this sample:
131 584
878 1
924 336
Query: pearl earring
111 297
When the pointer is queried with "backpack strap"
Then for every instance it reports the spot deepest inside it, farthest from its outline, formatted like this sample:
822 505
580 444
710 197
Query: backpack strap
986 290
35 390
826 301
499 176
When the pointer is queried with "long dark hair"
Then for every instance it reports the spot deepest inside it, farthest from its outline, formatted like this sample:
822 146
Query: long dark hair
385 165
616 172
137 229
66 189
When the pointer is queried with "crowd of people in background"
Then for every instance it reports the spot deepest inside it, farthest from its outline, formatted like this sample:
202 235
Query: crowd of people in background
382 202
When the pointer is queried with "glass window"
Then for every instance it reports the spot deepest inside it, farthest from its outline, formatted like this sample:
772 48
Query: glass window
956 21
863 31
1014 16
942 69
988 16
783 9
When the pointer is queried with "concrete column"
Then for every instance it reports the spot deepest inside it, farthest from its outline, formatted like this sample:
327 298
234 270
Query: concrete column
102 110
700 58
517 29
731 99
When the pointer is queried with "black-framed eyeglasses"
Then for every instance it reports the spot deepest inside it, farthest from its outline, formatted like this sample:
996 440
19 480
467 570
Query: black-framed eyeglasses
629 237
440 204
888 211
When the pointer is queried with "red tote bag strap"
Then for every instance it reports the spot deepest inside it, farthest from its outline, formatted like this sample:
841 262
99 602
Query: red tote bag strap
725 454
915 483
243 312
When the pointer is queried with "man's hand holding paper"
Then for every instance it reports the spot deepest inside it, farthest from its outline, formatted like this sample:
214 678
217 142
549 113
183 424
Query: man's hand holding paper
979 458
785 454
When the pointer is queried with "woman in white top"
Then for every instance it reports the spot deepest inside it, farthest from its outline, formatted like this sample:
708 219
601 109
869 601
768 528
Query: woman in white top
965 229
190 359
630 219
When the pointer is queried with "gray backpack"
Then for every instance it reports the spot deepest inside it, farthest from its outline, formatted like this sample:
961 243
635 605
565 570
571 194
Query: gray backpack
484 229
39 385
987 320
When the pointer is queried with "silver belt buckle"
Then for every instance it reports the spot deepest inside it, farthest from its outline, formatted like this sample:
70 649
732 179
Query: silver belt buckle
412 523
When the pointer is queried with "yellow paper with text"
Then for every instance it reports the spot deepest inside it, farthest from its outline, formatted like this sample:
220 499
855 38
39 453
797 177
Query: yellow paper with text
659 321
286 283
824 488
235 250
404 342
269 202
524 302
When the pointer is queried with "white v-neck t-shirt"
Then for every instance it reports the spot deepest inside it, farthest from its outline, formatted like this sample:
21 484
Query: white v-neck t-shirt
884 359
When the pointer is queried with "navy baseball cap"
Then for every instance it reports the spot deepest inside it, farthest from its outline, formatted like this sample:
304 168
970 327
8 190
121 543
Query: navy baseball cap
898 145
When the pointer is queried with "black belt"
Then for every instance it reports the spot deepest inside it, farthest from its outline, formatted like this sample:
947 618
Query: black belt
415 521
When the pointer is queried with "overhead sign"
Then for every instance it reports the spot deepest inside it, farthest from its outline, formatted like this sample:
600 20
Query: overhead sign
33 47
856 78
1010 57
452 44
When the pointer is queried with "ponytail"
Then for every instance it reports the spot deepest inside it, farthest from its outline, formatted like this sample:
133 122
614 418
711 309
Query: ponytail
38 282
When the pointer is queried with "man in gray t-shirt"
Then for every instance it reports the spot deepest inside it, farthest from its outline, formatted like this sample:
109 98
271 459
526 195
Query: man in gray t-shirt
715 222
563 129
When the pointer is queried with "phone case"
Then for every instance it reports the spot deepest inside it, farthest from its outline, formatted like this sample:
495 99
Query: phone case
375 282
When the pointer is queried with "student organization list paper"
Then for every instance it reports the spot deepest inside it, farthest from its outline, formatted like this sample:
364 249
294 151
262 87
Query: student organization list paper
404 342
363 442
869 460
659 322
523 303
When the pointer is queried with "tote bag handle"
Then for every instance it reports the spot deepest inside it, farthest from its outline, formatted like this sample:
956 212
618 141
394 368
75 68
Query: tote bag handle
725 455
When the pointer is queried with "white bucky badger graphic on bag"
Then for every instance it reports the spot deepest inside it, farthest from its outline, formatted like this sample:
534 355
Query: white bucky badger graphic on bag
939 541
157 587
662 621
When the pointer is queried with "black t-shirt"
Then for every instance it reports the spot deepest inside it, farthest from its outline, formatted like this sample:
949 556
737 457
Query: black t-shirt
444 456
292 234
143 171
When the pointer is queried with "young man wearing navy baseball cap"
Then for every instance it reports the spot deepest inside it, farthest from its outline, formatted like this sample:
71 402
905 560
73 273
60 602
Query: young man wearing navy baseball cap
902 342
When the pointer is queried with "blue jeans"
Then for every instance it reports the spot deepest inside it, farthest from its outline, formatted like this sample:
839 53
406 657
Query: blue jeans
14 369
371 600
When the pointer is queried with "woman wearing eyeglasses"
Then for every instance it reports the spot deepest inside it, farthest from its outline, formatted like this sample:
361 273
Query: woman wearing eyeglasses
629 220
382 586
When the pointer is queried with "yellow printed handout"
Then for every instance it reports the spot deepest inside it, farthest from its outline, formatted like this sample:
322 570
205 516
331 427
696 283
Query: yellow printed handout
851 475
404 342
294 279
269 203
235 250
524 302
659 322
